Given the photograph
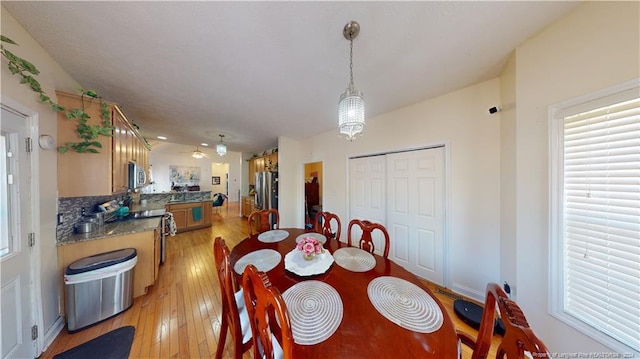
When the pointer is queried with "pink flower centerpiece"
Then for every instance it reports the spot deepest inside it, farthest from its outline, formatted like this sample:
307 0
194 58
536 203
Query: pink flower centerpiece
309 247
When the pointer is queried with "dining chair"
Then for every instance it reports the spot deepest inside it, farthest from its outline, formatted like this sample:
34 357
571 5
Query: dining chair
234 314
218 200
260 221
325 222
268 316
518 336
366 240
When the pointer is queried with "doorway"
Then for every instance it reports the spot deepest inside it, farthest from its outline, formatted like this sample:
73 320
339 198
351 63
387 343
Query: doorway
18 278
312 192
405 192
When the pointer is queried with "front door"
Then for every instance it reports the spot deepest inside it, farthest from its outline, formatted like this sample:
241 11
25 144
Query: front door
15 226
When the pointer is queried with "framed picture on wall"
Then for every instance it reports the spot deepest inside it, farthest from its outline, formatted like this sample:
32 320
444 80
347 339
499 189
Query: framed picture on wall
215 180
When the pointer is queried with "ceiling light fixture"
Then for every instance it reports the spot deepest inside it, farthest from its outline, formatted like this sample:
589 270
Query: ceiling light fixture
351 105
197 154
221 148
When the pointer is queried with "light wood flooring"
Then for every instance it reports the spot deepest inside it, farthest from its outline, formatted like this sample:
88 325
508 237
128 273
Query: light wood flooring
179 317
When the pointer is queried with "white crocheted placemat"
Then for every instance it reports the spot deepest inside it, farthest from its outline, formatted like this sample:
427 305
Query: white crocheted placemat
405 304
272 236
354 259
315 310
264 259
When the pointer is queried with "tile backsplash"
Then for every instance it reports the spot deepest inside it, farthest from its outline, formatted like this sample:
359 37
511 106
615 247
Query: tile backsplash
70 211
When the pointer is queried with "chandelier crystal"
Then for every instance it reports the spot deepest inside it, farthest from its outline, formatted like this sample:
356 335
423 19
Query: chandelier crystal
221 148
351 104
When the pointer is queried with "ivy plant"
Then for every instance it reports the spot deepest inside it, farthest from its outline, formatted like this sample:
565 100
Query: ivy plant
87 133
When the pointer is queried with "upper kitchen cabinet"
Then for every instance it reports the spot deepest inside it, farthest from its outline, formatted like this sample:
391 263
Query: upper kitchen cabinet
103 173
264 163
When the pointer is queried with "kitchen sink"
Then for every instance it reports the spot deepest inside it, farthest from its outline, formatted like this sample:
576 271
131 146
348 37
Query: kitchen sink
149 213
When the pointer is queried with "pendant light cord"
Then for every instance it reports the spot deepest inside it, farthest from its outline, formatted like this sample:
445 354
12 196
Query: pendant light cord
351 86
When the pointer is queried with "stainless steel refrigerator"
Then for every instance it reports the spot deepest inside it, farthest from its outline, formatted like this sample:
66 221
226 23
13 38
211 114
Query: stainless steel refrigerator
266 190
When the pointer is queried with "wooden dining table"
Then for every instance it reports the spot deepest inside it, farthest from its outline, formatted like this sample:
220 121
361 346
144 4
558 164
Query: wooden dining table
363 332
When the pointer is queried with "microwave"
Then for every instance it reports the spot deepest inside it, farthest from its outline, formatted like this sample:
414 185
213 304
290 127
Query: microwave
137 176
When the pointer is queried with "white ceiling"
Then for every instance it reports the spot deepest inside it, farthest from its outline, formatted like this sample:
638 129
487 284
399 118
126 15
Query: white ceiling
257 70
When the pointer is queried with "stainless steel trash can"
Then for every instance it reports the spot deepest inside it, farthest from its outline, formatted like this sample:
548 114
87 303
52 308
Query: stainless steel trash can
99 287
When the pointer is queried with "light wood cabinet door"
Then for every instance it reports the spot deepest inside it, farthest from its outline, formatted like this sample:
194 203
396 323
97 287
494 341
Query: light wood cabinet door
194 220
247 205
252 171
96 174
120 163
82 174
180 217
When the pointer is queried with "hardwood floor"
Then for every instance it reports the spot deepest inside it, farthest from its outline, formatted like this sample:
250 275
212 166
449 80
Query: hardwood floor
179 317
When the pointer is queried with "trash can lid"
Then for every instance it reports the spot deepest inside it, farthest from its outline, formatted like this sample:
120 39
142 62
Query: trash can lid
100 260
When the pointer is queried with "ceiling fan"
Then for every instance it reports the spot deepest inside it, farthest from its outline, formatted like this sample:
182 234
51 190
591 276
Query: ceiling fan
197 154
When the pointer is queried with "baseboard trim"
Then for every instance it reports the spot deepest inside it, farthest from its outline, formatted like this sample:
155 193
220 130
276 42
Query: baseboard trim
52 333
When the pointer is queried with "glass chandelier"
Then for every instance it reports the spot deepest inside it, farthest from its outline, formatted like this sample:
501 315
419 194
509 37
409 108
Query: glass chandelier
351 104
221 148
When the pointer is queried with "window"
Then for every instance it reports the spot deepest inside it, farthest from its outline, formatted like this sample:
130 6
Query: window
8 194
595 215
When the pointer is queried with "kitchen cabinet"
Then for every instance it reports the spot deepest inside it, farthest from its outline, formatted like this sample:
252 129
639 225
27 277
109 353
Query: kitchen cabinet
97 174
265 163
247 205
183 215
147 245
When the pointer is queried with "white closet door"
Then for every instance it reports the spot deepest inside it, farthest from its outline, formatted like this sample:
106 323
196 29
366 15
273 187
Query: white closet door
404 192
367 189
415 211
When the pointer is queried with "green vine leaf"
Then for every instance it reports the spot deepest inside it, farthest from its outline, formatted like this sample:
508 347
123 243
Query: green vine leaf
87 133
7 40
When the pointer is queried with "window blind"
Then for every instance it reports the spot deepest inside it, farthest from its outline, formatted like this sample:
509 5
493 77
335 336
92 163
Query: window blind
601 218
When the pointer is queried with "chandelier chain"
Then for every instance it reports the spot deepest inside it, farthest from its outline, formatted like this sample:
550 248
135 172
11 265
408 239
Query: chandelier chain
351 63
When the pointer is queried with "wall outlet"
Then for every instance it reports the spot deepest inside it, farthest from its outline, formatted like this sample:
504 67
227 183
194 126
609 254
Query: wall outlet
60 218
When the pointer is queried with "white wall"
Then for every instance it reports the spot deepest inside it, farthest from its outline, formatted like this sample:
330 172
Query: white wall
52 77
167 154
460 120
594 47
508 264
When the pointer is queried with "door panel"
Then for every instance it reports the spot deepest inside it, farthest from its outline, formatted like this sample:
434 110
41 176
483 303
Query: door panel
15 224
367 189
405 192
415 180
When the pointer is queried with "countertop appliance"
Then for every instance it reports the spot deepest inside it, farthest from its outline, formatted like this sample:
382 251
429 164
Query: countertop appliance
266 189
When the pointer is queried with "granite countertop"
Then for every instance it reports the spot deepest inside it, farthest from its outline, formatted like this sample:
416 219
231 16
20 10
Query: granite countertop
114 229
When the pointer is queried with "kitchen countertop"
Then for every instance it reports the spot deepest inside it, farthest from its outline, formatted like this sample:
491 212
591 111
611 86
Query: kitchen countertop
128 226
114 229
